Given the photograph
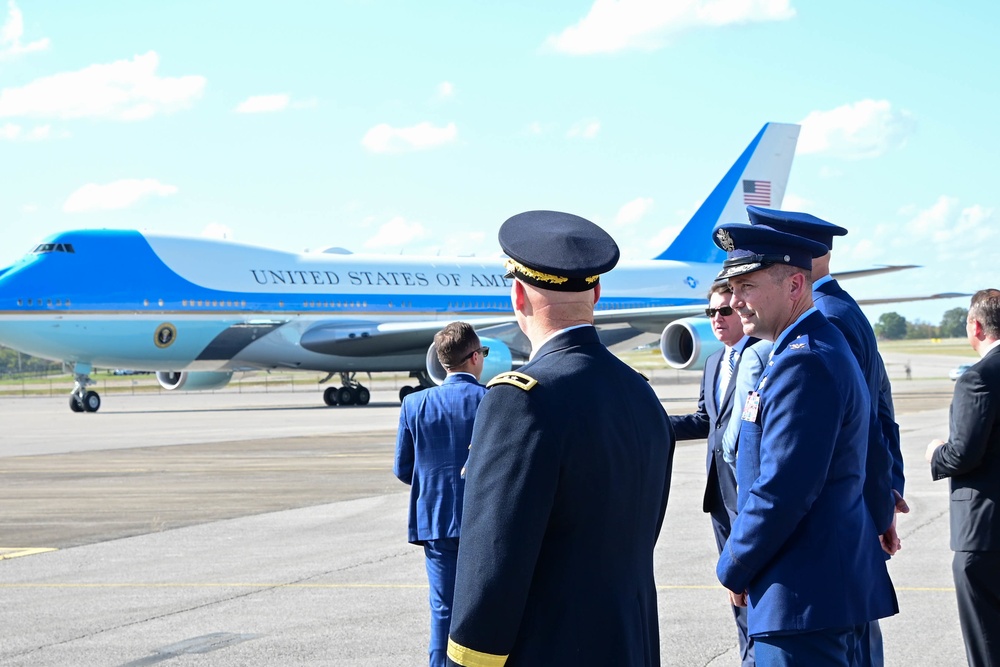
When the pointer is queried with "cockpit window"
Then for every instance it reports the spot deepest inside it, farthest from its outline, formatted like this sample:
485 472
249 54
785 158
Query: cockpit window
42 248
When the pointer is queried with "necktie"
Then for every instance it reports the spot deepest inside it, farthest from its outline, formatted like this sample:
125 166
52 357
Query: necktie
726 374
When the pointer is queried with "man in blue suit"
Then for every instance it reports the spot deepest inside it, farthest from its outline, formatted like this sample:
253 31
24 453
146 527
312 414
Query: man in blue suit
803 553
432 445
715 405
883 494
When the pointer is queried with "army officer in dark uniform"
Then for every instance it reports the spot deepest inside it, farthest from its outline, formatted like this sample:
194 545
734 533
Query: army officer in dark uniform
567 477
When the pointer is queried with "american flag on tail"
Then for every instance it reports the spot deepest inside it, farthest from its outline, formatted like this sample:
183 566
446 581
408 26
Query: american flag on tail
757 193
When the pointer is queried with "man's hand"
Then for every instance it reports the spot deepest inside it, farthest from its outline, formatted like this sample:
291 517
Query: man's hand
889 539
934 444
901 506
737 599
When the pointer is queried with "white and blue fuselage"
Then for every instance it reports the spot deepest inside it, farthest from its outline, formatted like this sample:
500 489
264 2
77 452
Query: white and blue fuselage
149 302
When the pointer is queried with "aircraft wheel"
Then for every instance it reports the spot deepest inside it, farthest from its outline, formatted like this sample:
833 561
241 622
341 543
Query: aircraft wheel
363 395
345 396
74 403
330 396
91 401
404 392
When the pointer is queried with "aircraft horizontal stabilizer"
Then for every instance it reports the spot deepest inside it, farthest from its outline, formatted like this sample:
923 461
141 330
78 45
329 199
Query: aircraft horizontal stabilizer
903 299
861 273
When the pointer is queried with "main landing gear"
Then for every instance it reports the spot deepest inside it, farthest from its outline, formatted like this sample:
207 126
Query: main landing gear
425 383
351 393
83 400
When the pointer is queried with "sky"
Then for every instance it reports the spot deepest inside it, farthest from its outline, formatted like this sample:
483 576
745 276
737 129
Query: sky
400 127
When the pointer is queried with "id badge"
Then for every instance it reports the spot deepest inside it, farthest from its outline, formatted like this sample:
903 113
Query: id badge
751 407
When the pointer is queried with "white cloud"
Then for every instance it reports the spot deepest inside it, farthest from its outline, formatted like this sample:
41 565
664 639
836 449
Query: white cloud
115 195
584 129
659 242
13 132
619 25
633 211
264 103
217 230
445 90
793 202
395 234
384 138
12 32
122 90
945 233
864 129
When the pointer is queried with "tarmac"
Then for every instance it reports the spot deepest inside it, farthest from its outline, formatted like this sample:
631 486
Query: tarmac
267 529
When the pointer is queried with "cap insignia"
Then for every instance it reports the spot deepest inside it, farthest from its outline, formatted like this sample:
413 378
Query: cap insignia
517 267
725 240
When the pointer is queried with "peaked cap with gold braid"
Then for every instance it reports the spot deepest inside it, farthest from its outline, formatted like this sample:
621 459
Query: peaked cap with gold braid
557 251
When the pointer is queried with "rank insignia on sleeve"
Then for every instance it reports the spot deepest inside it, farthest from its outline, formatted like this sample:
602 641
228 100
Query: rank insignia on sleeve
519 380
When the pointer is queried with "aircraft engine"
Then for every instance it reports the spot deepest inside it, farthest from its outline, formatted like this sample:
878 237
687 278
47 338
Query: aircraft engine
499 361
685 344
198 381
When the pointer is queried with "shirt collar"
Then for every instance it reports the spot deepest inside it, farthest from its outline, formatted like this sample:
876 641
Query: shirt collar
784 334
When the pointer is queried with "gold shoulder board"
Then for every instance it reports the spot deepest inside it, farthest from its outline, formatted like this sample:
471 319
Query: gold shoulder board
519 380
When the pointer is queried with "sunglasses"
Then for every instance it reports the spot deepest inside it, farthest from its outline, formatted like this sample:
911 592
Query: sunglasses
725 311
485 351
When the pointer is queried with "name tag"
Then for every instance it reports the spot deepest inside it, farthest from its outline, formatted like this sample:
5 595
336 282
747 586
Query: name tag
751 407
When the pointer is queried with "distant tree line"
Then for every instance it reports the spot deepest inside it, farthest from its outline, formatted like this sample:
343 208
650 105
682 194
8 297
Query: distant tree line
893 326
18 364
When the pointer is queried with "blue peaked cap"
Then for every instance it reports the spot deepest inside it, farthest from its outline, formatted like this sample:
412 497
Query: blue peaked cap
751 248
800 224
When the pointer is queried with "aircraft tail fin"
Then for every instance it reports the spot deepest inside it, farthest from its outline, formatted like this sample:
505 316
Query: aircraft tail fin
758 177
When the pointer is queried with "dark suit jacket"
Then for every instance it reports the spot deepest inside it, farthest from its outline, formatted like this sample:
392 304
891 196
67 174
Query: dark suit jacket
432 445
710 421
566 489
884 462
971 457
803 543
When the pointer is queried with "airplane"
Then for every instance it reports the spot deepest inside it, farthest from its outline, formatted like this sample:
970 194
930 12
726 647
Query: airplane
197 310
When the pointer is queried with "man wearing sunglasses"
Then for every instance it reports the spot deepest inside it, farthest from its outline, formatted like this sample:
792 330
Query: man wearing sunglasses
715 405
432 445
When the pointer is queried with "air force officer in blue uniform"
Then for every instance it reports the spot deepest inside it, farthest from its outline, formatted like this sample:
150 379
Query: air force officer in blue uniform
432 445
567 477
803 553
884 477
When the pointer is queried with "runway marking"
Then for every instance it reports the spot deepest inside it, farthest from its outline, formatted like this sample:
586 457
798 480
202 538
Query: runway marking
17 552
265 585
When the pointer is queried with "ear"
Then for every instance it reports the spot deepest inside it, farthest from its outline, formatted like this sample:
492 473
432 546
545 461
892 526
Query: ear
597 292
517 296
977 330
797 286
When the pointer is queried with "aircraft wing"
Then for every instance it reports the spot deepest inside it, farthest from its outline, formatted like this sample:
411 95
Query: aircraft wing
861 273
369 338
649 320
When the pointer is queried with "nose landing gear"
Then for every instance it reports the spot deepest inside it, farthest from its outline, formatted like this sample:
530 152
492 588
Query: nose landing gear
83 400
